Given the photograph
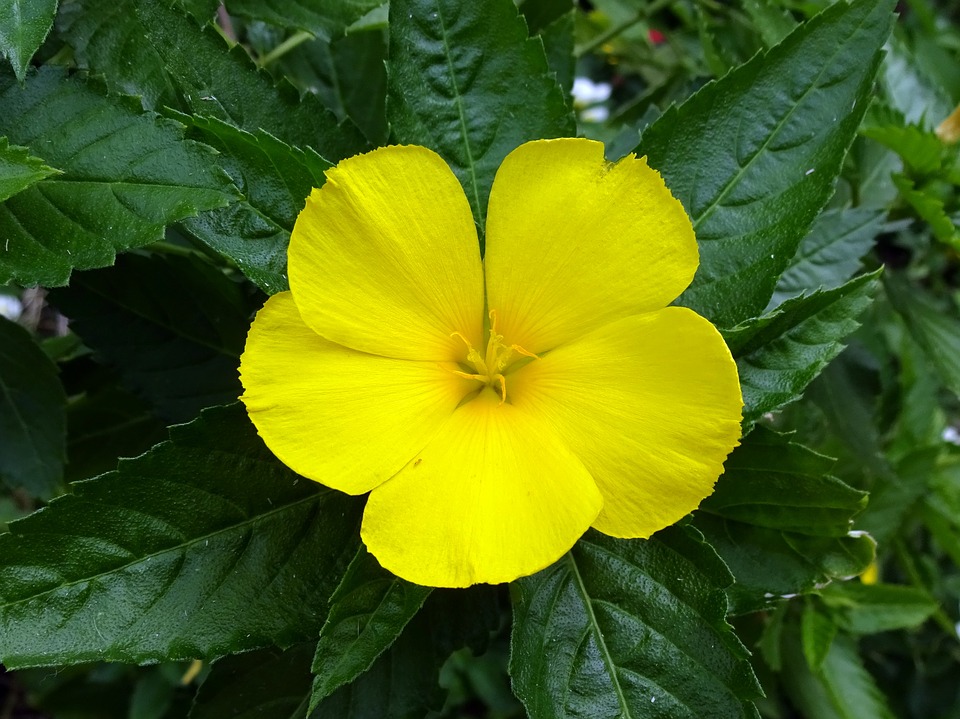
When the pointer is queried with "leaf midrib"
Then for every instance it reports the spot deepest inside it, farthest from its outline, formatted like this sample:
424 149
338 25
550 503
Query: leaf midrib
598 635
182 546
736 178
458 99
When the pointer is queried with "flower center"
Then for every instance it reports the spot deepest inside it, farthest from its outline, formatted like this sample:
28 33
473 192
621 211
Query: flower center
490 368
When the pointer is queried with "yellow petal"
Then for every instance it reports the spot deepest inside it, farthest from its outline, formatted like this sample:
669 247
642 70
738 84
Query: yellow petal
384 258
493 497
574 242
343 418
651 406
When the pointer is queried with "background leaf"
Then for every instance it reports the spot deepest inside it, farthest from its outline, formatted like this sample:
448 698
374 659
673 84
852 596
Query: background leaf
18 170
780 353
780 522
368 612
403 681
204 546
173 326
32 415
125 176
259 684
630 628
326 19
770 135
193 70
24 25
841 688
465 80
936 332
871 608
830 254
274 180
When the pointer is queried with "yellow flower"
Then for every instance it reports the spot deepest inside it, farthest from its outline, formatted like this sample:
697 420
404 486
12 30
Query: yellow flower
494 410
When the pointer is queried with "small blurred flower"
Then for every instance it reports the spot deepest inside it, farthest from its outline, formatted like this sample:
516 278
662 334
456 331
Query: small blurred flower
951 435
10 307
587 96
656 37
587 92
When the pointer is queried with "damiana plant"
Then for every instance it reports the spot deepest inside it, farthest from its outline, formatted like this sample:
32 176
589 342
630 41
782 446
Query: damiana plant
354 365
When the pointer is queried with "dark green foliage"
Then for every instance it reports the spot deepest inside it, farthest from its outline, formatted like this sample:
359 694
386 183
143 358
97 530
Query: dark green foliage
630 627
183 552
125 176
32 415
753 157
455 70
172 326
154 157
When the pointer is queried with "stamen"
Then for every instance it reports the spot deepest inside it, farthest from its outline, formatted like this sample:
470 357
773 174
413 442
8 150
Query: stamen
489 368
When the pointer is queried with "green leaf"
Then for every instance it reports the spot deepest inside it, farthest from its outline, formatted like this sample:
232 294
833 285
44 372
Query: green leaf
100 33
24 25
930 209
870 608
769 481
558 44
266 683
894 494
780 353
769 564
830 254
465 80
780 522
125 176
103 424
937 332
817 632
32 415
841 689
327 19
753 156
368 612
173 326
274 180
630 628
919 149
203 546
205 76
18 170
772 22
348 75
223 83
403 682
919 98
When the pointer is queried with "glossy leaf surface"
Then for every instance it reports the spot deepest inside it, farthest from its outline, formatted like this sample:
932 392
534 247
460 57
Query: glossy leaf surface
185 552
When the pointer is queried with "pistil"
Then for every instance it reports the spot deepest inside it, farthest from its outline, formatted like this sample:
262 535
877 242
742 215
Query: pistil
490 369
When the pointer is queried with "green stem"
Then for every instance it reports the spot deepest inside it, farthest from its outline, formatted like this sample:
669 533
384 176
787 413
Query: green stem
908 565
605 37
286 46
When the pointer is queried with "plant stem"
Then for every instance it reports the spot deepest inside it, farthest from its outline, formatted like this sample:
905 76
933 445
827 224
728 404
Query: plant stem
605 37
285 47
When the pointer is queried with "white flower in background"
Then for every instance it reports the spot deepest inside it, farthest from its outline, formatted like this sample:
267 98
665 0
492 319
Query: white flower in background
951 435
10 307
587 96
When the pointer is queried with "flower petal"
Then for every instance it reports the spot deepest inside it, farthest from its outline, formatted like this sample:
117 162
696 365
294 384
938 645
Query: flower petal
574 242
651 406
343 418
495 496
384 258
